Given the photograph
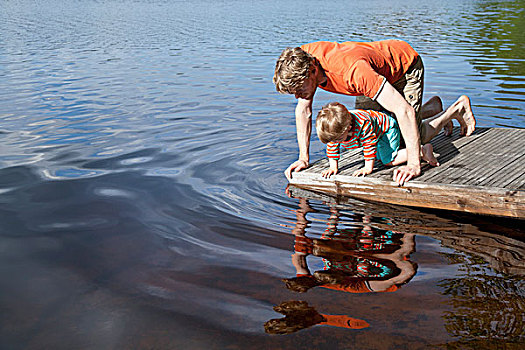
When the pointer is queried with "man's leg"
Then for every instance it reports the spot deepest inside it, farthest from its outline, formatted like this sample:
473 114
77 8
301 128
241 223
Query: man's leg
459 110
431 108
411 87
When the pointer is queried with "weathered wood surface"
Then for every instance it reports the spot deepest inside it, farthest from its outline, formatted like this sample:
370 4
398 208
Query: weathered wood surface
483 174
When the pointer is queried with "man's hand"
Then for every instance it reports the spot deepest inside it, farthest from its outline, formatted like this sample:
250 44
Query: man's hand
295 166
405 173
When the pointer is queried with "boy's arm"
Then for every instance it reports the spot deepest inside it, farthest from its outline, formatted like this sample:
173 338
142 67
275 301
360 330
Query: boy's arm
303 124
332 152
392 100
369 143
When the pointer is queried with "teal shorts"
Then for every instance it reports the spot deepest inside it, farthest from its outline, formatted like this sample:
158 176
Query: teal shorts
388 144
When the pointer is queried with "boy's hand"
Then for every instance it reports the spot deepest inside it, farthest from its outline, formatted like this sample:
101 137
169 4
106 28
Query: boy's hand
334 167
329 172
369 166
362 172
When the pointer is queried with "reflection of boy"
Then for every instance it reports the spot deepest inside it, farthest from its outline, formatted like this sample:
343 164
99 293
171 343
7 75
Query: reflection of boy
376 132
380 271
360 267
350 273
338 281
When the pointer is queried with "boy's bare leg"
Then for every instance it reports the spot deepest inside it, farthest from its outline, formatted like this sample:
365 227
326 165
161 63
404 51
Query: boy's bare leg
427 153
432 107
401 158
459 110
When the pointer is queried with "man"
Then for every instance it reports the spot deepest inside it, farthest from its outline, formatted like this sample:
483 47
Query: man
384 75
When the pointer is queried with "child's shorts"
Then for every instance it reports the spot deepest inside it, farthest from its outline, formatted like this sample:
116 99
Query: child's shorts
388 144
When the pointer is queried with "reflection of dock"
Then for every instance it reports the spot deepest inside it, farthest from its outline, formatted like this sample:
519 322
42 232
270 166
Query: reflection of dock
503 254
483 174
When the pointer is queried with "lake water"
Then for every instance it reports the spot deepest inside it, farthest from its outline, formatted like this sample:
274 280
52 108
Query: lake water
142 200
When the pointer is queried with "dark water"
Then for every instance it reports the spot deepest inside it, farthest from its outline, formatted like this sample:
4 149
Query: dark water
142 201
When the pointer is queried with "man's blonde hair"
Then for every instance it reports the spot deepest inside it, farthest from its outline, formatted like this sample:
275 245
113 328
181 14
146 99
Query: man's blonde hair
292 69
332 122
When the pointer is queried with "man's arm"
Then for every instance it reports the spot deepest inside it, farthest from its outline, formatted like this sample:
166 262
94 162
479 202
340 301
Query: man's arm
303 124
392 100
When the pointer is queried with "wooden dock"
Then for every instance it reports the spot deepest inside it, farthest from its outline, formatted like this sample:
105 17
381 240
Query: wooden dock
482 174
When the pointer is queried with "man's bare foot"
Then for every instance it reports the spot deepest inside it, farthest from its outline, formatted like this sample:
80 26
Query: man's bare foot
465 116
427 153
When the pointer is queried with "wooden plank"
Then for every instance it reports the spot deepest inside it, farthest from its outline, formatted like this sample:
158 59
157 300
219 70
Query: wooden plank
443 141
518 182
499 176
366 184
448 197
497 164
471 155
448 146
513 170
489 170
450 171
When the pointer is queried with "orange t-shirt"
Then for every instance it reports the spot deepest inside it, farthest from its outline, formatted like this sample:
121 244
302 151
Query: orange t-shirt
344 321
355 68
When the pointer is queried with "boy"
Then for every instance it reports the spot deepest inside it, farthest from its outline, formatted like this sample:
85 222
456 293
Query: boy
376 132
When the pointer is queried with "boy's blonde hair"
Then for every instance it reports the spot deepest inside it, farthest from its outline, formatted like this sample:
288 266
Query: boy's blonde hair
292 69
332 122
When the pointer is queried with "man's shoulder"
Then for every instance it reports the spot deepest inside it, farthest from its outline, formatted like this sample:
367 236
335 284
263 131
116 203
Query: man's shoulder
319 46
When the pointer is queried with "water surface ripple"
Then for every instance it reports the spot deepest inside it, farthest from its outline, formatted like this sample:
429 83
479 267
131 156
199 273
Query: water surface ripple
142 201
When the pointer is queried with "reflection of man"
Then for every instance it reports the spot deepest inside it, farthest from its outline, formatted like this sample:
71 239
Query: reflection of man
299 315
350 270
385 75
